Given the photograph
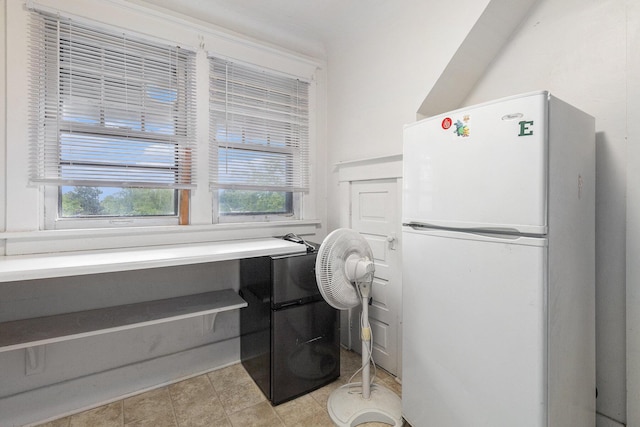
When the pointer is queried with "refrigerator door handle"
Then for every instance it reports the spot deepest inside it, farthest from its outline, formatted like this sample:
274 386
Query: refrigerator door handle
524 230
506 231
478 234
492 230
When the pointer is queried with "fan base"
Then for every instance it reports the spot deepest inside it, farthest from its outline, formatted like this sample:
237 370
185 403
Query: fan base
347 407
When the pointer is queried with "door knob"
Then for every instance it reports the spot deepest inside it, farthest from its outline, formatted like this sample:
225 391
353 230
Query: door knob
391 239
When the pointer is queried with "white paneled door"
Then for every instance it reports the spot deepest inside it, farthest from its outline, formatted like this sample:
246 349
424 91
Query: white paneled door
375 215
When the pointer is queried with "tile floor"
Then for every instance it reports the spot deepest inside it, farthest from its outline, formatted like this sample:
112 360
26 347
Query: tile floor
227 397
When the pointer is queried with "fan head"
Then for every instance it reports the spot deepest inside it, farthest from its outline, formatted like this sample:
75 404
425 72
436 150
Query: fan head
344 259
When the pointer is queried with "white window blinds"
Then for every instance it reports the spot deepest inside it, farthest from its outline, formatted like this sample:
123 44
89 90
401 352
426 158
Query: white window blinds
108 109
259 124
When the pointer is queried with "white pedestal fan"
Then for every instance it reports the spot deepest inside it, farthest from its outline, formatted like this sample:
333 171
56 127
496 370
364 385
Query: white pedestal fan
344 272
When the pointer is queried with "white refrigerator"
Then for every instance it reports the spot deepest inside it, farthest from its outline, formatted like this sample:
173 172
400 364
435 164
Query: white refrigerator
498 266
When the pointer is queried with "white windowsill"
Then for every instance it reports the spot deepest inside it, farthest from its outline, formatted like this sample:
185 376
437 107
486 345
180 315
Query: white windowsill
121 238
40 266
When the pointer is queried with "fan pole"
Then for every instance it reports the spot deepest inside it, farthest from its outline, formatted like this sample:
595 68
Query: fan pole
344 272
365 336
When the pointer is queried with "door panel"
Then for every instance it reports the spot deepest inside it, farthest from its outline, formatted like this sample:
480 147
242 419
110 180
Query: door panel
375 216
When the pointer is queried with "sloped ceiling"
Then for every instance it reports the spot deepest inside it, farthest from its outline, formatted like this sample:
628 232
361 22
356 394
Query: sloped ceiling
484 42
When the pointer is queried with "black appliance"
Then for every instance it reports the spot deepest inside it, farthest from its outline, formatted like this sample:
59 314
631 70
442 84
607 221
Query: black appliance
290 338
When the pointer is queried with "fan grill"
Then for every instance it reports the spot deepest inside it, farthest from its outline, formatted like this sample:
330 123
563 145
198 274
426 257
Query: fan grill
331 276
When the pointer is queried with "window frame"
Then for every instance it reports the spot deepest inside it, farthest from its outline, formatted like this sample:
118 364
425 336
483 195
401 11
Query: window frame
184 132
303 145
296 202
52 220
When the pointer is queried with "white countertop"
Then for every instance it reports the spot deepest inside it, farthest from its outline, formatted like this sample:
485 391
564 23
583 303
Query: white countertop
27 267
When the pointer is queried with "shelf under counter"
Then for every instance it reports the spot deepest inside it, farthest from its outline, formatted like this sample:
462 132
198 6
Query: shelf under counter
23 334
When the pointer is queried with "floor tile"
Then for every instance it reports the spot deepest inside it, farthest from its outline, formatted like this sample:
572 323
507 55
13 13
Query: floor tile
321 395
350 362
62 422
317 420
392 385
236 390
223 422
103 416
150 408
223 378
294 412
260 415
381 374
196 403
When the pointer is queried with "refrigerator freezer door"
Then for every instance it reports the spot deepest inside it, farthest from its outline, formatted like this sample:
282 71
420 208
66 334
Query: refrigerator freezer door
294 279
483 167
474 330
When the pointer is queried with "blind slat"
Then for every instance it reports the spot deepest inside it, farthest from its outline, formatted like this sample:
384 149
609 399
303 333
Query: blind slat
109 109
259 129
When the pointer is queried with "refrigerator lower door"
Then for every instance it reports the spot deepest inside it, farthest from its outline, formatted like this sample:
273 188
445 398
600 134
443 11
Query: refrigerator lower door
305 349
474 330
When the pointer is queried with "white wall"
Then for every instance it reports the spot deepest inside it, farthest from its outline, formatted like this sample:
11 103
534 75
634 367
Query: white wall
379 75
577 50
633 213
3 116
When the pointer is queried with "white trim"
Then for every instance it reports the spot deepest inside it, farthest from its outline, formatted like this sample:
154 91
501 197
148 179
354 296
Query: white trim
206 28
54 241
3 115
219 32
383 167
371 168
379 159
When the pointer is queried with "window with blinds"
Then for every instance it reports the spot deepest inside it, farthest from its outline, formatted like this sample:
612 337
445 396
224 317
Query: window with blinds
259 129
109 110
